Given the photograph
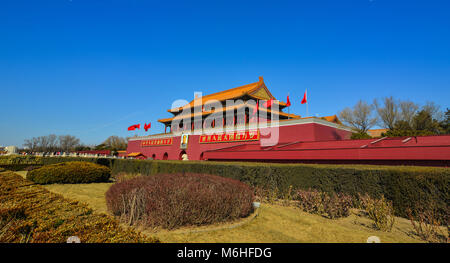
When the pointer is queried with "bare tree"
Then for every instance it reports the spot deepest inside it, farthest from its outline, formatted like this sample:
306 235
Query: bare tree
52 143
388 113
408 110
31 144
68 142
115 143
47 143
434 110
42 143
360 117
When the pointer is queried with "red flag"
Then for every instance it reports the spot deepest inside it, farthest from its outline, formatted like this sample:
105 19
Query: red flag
268 103
134 127
147 126
255 110
288 102
304 98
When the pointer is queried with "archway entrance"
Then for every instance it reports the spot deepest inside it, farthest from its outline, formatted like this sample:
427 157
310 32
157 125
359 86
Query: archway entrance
165 156
180 157
154 156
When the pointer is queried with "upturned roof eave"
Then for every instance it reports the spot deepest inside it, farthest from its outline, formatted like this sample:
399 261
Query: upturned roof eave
166 120
246 90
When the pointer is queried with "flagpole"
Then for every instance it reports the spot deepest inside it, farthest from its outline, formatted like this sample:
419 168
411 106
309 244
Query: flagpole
307 112
289 109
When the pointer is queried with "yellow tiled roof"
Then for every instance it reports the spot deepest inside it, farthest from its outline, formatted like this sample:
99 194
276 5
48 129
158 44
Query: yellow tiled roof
376 132
230 94
134 154
332 118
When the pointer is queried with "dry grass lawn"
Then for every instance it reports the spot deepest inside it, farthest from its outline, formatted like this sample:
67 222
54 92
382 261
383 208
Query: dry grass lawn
91 194
274 223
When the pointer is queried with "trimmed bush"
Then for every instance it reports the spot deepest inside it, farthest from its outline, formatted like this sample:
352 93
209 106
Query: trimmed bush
70 173
21 162
174 200
360 135
31 214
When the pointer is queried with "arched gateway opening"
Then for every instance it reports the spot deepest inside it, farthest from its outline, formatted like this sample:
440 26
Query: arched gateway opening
180 157
165 156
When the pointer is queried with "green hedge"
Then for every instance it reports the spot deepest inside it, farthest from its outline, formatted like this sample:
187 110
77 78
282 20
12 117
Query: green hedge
70 173
21 162
18 162
406 186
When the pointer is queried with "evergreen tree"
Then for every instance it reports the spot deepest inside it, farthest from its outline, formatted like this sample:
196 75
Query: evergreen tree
445 123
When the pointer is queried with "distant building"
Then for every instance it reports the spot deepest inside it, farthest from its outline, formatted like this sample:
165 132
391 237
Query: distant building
99 152
11 149
376 132
137 155
121 153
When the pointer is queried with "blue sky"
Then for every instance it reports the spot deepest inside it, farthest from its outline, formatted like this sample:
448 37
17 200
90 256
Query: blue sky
92 68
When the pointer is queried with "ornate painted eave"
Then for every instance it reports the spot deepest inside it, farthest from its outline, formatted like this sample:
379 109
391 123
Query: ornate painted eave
234 107
257 90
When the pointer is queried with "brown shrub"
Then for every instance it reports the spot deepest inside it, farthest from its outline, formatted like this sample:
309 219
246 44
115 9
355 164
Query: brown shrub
331 206
338 205
311 201
121 177
266 195
428 225
379 210
174 200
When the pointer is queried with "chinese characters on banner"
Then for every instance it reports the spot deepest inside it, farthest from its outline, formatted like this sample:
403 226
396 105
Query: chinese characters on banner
230 137
157 142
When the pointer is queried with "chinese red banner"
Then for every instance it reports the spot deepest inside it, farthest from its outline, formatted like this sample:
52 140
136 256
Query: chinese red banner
230 137
157 142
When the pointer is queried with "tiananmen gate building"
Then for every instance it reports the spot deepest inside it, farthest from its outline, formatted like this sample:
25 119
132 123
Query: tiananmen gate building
210 128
